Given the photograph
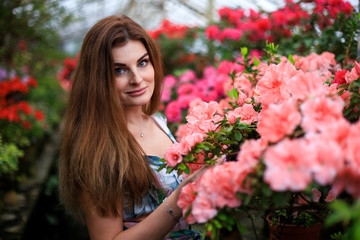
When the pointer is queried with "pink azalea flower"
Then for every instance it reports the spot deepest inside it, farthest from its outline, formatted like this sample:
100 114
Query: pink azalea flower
278 120
203 209
354 74
172 155
166 95
173 112
316 62
320 111
272 87
190 141
353 147
288 166
186 89
305 85
188 76
185 100
222 182
230 33
242 83
169 81
326 164
331 196
250 152
186 198
212 32
203 116
316 194
223 105
246 113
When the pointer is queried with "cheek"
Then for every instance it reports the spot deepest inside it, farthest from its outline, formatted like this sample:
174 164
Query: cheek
119 84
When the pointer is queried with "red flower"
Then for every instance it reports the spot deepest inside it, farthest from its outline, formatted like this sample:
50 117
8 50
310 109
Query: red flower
39 115
24 107
22 45
32 82
340 77
26 124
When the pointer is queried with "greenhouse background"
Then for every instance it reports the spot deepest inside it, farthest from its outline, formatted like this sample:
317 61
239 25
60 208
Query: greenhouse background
206 45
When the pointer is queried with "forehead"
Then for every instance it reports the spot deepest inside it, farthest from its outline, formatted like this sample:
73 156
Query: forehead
128 52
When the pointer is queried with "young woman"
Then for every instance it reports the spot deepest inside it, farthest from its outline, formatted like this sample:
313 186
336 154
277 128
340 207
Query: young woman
112 139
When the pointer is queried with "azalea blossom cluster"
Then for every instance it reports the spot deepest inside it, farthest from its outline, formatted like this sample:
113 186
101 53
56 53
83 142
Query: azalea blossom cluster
64 76
188 88
169 29
180 93
256 26
300 119
11 104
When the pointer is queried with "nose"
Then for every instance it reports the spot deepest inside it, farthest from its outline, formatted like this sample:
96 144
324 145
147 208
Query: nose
135 77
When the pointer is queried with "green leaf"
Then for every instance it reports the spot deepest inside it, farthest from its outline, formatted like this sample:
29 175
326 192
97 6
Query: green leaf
238 136
217 223
291 59
244 51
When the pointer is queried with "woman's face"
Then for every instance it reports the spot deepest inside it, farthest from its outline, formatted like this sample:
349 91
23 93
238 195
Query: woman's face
134 73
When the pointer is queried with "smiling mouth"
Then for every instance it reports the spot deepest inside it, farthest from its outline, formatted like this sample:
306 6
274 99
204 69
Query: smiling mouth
137 92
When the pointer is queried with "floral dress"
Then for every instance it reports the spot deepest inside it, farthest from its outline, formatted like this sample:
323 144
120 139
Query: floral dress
169 182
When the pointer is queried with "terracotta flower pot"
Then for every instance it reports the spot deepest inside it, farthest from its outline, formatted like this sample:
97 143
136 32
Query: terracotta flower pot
294 232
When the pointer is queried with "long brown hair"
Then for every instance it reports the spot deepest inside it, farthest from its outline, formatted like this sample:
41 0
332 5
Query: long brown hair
99 156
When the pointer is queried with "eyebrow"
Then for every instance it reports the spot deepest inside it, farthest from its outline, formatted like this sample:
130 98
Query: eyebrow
139 60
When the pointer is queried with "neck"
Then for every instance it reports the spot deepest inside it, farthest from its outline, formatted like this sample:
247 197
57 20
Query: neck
137 121
134 115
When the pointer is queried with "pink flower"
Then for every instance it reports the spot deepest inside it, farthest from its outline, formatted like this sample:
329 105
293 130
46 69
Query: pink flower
288 166
172 155
320 111
169 81
316 62
190 141
187 76
222 182
242 83
186 198
203 209
316 194
230 33
212 32
354 74
353 147
278 120
246 113
305 85
166 95
326 164
173 112
331 196
250 152
186 89
272 86
203 117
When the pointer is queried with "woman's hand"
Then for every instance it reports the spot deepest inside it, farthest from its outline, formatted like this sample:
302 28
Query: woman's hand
192 177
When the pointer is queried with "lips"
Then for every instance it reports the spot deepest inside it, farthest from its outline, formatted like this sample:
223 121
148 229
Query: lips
136 92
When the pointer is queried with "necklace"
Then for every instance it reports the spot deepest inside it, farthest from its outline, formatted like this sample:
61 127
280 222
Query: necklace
141 134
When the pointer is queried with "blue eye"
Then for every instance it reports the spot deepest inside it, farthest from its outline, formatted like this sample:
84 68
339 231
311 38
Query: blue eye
143 63
119 71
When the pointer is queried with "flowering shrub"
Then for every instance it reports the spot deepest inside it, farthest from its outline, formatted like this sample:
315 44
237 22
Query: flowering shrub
285 121
20 122
300 27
